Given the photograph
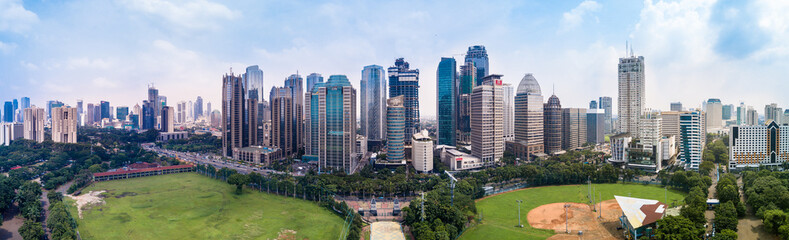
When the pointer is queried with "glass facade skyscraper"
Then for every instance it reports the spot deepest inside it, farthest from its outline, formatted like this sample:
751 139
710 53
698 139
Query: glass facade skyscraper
405 81
446 77
373 102
395 130
465 83
313 79
331 125
479 56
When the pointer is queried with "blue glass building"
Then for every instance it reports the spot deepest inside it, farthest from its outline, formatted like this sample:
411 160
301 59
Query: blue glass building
331 125
445 78
479 56
405 81
373 102
8 111
395 130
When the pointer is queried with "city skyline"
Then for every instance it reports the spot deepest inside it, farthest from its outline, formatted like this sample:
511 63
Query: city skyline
182 47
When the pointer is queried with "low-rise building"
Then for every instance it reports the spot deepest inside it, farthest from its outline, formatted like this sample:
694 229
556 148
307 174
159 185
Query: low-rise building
422 151
257 155
167 136
459 161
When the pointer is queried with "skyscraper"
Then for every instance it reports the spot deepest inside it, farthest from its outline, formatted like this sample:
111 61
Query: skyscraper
487 120
168 119
373 102
771 113
198 107
295 83
509 112
751 116
52 104
713 115
313 79
593 104
676 107
239 123
156 104
552 115
24 102
282 120
80 112
465 84
446 75
395 130
405 81
34 124
529 115
573 128
138 112
331 127
105 110
692 138
64 125
253 77
595 126
632 93
122 112
8 112
726 111
607 105
479 57
148 117
422 151
89 114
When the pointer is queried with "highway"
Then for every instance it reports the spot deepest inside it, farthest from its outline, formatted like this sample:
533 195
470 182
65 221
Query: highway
217 161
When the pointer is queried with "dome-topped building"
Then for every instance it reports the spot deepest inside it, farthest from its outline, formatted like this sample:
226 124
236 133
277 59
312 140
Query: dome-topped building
529 117
529 85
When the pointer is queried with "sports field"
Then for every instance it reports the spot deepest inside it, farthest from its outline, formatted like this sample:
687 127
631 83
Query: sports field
500 212
192 206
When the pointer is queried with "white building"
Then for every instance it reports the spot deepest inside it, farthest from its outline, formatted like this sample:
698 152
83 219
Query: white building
361 146
458 161
754 146
619 147
34 124
650 129
10 132
487 120
422 151
714 115
509 112
692 137
632 93
668 148
64 125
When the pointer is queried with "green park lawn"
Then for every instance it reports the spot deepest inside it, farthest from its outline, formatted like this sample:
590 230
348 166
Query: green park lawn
499 213
192 206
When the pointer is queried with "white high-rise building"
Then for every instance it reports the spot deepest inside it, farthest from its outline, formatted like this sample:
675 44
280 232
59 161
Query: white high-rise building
751 117
64 125
34 124
650 128
10 132
754 146
422 151
509 112
632 93
773 112
714 114
692 134
487 120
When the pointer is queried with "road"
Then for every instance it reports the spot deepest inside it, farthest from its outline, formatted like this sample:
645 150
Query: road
750 227
710 214
216 161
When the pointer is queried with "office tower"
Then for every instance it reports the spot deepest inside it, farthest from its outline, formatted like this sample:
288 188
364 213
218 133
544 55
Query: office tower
148 117
651 130
64 125
313 79
446 75
24 102
752 117
181 112
676 107
80 112
713 114
89 114
479 57
168 119
121 112
760 145
726 111
156 104
105 110
487 120
16 106
692 137
529 115
395 129
162 100
595 126
208 108
771 113
137 111
465 84
373 102
190 111
198 112
282 127
50 105
785 117
741 114
670 124
253 77
405 81
295 83
552 119
573 128
632 94
96 113
422 151
8 112
509 112
34 124
331 128
607 105
12 131
239 122
593 105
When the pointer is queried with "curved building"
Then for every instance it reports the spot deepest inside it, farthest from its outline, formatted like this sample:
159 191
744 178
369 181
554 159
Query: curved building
395 129
529 115
553 125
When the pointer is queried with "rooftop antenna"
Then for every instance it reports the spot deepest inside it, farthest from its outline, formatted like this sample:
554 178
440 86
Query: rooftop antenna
626 47
553 91
231 70
631 51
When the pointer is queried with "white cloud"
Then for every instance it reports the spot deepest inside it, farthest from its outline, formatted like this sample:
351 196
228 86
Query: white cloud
104 83
199 14
772 19
14 17
7 47
83 63
28 65
575 17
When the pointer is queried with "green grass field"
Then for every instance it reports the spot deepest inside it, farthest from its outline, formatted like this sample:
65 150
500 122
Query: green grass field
500 212
192 206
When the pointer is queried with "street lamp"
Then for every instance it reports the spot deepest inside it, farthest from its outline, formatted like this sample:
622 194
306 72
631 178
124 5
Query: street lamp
519 213
566 226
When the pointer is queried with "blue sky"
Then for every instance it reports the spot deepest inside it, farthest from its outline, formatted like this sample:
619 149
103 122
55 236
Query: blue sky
111 49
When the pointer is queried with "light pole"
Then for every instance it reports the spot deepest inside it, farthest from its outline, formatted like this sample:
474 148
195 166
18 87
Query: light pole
519 213
566 225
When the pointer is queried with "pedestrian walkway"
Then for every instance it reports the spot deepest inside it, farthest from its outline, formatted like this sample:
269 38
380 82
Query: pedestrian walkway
386 231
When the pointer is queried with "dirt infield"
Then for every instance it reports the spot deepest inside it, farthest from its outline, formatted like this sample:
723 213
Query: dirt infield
580 217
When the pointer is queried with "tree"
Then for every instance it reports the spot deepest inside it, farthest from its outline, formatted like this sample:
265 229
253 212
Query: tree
726 216
239 180
726 234
677 228
31 230
774 219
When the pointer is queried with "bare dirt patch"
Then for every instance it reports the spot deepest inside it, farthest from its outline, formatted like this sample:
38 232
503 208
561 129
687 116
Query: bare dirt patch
287 234
88 199
580 217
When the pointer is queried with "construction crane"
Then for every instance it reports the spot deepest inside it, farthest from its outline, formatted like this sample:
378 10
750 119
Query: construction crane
452 181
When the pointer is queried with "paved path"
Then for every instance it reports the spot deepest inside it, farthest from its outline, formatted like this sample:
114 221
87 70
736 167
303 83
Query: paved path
750 227
710 214
386 231
11 223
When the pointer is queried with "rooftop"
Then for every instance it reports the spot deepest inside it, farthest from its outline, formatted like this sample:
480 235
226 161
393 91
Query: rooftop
640 212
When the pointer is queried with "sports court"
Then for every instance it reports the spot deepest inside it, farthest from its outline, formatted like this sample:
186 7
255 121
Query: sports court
386 231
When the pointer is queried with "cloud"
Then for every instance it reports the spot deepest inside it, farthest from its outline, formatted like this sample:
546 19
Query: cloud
7 47
575 17
14 17
201 14
104 83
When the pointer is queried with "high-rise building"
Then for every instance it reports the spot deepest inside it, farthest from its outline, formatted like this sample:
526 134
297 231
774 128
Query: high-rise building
479 57
190 113
208 110
8 112
180 112
509 112
771 113
239 122
607 105
713 114
122 112
253 77
198 108
156 104
97 113
726 111
487 120
11 131
529 115
295 83
632 93
16 106
395 130
64 125
552 119
595 126
573 128
148 117
373 102
465 84
80 112
676 107
651 133
742 110
105 110
422 151
692 137
761 145
313 79
52 104
89 119
405 81
331 131
137 111
593 105
669 122
282 128
24 102
446 75
168 119
34 124
752 117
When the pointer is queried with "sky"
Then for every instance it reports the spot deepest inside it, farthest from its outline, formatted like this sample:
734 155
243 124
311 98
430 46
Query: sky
112 50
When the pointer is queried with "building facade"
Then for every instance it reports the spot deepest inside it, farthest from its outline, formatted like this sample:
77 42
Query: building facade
676 107
714 114
295 83
10 132
239 123
422 152
595 126
487 120
34 124
692 137
395 130
405 81
509 112
168 119
573 128
755 146
606 103
64 125
313 79
446 104
282 127
632 93
479 57
552 113
331 127
373 102
465 84
529 115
